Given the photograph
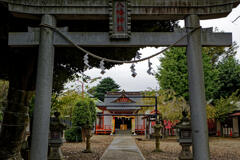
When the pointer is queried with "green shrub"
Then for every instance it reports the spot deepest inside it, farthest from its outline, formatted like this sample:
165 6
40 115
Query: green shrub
84 113
73 134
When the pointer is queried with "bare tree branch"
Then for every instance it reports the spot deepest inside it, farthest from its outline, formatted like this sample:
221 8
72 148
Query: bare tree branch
235 19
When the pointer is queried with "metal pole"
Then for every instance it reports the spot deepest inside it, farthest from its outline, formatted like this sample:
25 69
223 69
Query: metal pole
41 115
156 108
196 90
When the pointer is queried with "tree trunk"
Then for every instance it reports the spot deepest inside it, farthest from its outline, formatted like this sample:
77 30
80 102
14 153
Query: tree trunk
88 144
83 134
16 118
15 121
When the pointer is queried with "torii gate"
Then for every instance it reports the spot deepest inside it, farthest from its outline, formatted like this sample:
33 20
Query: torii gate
192 11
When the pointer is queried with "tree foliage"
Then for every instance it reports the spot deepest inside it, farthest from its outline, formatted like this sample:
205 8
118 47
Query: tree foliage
104 86
173 74
229 76
65 102
226 105
169 105
217 53
92 90
221 76
211 111
84 113
223 107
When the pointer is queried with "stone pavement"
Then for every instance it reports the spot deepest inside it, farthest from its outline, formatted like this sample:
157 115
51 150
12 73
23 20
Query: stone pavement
122 148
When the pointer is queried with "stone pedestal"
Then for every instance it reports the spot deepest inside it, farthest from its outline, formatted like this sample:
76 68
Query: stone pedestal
55 152
186 152
55 138
235 127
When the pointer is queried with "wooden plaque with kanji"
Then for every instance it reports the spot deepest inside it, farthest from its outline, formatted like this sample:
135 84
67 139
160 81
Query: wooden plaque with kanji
120 19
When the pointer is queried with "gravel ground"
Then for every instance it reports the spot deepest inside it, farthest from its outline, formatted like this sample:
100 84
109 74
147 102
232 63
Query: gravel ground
220 148
73 151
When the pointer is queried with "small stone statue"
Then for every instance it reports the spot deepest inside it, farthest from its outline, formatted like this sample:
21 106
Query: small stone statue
157 134
55 138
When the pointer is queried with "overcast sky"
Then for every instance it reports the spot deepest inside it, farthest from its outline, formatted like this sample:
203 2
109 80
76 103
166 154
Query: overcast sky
122 75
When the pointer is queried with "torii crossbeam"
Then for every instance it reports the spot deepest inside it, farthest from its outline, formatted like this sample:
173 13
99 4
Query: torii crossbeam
138 39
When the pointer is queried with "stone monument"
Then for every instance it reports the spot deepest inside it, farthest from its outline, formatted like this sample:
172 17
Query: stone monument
185 137
55 138
157 134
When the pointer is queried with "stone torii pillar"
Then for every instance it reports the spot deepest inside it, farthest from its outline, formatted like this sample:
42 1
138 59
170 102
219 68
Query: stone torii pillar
41 115
196 90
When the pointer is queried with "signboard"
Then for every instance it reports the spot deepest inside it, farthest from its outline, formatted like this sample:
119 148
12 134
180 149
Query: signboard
119 19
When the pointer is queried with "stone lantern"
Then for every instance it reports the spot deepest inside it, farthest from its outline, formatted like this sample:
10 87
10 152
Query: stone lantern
157 134
55 138
185 137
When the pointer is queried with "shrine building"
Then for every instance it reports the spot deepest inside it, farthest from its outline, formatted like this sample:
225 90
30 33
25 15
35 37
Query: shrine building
118 114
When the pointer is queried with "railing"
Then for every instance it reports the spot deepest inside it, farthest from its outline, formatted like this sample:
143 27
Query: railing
105 127
140 127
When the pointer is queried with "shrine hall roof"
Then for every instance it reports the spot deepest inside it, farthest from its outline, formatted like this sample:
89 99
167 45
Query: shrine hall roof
118 101
114 98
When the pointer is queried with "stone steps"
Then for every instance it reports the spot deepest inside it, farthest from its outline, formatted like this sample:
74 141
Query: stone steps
123 132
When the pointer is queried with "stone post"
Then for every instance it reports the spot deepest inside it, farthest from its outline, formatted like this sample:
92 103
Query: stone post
147 128
157 135
235 127
41 114
196 90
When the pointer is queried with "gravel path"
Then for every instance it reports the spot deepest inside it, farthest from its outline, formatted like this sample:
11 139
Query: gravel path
73 151
220 148
123 148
